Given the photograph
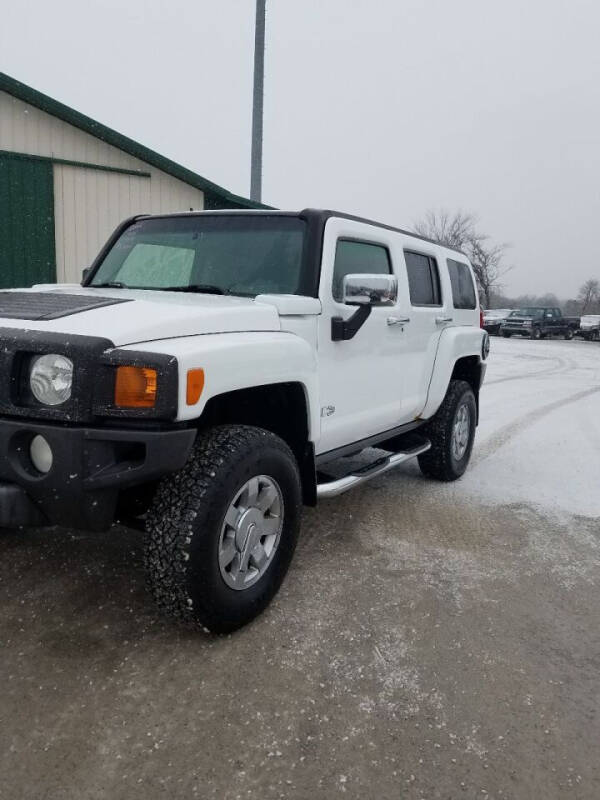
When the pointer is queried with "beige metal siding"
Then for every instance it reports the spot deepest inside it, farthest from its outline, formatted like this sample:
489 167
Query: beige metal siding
89 203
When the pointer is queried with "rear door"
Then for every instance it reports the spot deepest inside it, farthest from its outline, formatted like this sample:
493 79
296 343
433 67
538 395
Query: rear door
27 249
428 306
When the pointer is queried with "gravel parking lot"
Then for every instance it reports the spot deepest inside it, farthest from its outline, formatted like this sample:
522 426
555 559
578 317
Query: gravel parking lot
431 641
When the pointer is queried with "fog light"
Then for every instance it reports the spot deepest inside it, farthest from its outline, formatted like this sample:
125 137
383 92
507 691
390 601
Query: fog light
41 454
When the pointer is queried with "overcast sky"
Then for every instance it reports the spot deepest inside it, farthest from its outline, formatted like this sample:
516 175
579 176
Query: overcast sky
385 108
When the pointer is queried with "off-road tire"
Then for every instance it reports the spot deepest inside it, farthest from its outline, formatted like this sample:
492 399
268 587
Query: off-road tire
185 519
439 462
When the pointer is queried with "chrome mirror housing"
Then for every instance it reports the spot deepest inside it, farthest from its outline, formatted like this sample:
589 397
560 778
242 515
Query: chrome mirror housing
370 290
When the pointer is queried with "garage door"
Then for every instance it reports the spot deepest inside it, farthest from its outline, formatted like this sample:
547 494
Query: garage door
27 254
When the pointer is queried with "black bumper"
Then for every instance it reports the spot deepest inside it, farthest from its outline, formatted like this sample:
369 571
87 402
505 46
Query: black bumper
517 330
89 468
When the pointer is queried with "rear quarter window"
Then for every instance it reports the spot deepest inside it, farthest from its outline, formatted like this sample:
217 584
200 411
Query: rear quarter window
423 279
463 290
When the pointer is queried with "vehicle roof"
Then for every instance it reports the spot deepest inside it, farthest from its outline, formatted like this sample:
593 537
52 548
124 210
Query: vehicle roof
318 214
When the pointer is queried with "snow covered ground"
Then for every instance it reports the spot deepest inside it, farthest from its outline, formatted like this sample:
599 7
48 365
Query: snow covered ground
430 641
539 437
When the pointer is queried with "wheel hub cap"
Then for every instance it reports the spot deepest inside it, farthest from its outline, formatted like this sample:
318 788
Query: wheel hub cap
460 432
250 532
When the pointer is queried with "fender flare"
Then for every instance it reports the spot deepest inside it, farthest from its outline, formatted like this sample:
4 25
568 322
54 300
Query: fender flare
242 361
455 344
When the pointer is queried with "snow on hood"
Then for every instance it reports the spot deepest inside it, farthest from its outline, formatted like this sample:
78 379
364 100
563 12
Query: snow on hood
154 315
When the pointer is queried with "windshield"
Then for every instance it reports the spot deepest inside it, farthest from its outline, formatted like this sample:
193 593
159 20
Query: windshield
528 312
221 254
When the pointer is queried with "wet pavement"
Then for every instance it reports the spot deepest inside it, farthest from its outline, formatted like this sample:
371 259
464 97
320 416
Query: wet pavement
430 641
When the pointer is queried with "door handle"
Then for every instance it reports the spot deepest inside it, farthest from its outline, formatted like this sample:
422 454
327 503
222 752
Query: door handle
397 320
442 320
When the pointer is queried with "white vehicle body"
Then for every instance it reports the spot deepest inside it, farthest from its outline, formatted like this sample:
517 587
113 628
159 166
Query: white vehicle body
209 369
589 323
391 376
385 377
493 314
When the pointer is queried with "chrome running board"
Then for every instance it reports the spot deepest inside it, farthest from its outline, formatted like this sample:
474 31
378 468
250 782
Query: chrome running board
338 486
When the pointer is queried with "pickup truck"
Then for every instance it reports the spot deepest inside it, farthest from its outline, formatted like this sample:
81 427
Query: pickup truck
589 327
208 372
537 323
493 319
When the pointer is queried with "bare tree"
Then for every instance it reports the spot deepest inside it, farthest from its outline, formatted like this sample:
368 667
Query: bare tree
488 268
454 230
589 295
459 230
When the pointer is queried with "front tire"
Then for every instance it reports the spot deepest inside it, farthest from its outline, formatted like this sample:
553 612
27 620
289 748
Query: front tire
451 432
536 333
568 334
222 531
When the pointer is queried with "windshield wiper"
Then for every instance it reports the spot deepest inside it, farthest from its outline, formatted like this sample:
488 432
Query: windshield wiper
201 288
108 285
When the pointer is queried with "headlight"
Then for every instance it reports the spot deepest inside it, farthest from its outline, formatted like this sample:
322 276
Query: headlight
51 379
527 323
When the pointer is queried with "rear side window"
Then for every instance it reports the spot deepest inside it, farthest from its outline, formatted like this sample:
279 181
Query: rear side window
423 279
352 258
463 291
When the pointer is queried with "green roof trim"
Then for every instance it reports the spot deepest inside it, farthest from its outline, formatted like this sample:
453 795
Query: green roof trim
215 196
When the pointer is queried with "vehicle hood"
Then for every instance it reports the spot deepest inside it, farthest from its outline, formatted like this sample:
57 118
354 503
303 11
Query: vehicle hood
131 315
520 317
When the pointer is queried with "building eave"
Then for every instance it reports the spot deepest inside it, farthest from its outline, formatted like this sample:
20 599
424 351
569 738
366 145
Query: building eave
214 193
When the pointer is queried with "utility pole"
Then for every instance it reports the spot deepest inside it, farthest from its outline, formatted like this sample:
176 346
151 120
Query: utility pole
257 103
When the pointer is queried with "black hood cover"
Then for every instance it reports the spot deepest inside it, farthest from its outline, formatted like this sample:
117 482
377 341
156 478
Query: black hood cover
49 305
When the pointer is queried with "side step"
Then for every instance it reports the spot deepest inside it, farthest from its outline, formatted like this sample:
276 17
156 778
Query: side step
338 486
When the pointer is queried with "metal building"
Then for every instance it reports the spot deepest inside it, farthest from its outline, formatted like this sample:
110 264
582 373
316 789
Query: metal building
66 181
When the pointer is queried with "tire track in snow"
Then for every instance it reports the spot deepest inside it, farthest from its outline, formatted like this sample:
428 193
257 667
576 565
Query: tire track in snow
508 432
557 368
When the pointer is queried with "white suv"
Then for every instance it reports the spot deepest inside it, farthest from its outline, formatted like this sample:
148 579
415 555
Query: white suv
209 370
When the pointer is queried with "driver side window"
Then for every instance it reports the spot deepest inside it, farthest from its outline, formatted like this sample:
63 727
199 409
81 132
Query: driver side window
354 257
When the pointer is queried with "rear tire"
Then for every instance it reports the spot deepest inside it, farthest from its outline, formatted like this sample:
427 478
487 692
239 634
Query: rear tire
222 531
451 441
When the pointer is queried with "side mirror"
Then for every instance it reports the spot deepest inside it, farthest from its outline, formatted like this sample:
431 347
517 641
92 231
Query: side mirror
369 290
84 274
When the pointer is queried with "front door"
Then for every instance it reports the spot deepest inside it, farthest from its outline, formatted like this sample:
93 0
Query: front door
27 252
360 378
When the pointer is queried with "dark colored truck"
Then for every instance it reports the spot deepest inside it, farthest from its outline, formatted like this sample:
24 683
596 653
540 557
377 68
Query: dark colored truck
537 323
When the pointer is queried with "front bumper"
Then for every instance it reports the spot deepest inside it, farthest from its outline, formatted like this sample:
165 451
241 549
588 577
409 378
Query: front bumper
89 468
492 326
524 330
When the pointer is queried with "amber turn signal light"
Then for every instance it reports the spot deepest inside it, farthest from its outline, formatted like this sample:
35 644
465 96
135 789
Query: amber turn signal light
135 387
195 384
